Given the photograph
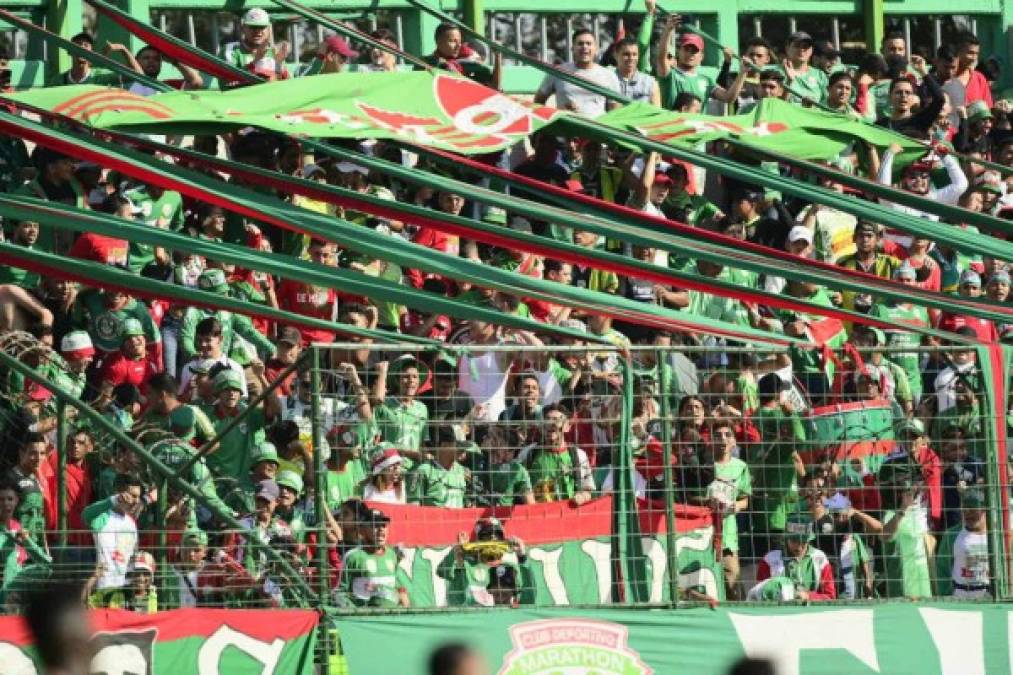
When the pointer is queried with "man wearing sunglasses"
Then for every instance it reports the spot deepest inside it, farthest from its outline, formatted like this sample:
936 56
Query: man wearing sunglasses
684 75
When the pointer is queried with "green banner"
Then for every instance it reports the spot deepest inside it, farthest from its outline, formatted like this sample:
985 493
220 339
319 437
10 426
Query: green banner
202 641
446 111
927 639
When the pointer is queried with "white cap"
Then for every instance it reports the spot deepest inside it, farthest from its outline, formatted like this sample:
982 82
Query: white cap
256 17
800 233
349 167
77 342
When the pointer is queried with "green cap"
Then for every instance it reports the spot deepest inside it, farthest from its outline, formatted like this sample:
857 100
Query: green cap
264 452
214 281
978 111
290 479
911 426
182 421
228 379
130 328
495 216
195 536
404 362
799 526
972 499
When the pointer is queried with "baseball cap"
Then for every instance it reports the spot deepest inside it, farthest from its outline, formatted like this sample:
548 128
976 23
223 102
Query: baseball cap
228 379
799 527
130 328
905 271
182 421
195 536
978 111
290 336
350 167
748 193
989 181
494 215
1000 276
76 344
408 361
913 427
265 452
267 489
385 459
142 562
256 17
826 49
800 233
800 36
376 517
662 179
691 39
311 170
291 480
335 44
970 278
213 280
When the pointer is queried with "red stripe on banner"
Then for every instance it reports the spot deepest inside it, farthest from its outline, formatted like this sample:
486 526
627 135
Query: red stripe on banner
81 105
178 624
687 518
845 450
547 523
173 51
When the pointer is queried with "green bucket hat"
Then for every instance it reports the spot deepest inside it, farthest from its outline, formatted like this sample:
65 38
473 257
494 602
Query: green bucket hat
290 479
403 362
495 216
228 379
264 452
213 281
182 422
130 328
195 536
978 111
912 426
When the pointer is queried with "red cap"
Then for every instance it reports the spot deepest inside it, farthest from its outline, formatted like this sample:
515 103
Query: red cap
662 179
574 185
335 44
691 39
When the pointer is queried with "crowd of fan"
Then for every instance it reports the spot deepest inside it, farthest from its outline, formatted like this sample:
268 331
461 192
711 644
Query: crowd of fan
495 427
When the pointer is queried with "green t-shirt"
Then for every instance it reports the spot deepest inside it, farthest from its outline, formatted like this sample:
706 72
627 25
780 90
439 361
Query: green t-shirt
552 474
370 579
166 213
907 562
232 458
781 435
17 276
731 482
505 483
104 324
813 84
401 424
431 484
342 485
468 581
678 81
909 361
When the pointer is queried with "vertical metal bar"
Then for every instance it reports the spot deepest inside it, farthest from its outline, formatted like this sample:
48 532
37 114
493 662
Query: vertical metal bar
320 34
835 29
320 503
518 42
163 538
373 23
162 22
216 30
974 25
543 31
758 26
569 37
792 24
61 471
672 568
907 32
296 37
399 33
191 29
937 33
596 27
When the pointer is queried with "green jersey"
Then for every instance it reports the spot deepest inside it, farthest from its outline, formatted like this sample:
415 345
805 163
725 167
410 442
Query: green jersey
403 424
234 327
679 81
912 315
505 484
344 485
782 435
370 579
468 581
432 484
731 483
105 325
812 84
907 562
232 458
555 474
165 212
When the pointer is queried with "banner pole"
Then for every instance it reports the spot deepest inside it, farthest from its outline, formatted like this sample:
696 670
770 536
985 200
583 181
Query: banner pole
61 472
320 504
666 431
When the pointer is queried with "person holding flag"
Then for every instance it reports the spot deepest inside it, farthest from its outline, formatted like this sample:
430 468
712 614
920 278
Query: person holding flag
796 571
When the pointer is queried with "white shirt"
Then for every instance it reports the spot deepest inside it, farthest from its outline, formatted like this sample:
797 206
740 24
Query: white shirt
970 564
946 385
388 496
485 380
184 382
585 102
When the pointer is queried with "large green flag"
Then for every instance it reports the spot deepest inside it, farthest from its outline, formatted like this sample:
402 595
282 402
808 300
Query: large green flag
428 108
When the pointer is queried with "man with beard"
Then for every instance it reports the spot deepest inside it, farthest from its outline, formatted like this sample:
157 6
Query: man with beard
23 233
55 182
401 418
370 576
559 471
254 51
150 60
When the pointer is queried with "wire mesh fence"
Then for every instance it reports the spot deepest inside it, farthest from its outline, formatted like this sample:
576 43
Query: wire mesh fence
390 476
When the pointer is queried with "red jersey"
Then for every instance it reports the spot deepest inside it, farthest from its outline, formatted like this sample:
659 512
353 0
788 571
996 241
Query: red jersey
983 328
118 369
101 249
320 303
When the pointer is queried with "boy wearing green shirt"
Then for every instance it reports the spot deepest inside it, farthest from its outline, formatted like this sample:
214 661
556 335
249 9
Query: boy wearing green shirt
232 457
505 481
346 470
441 481
727 495
401 419
904 534
370 574
558 471
778 460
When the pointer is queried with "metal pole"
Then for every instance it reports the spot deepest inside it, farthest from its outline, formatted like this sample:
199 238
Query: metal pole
163 537
672 568
320 502
191 29
61 471
758 26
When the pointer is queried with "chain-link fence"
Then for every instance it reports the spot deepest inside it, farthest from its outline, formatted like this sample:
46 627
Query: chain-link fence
390 476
